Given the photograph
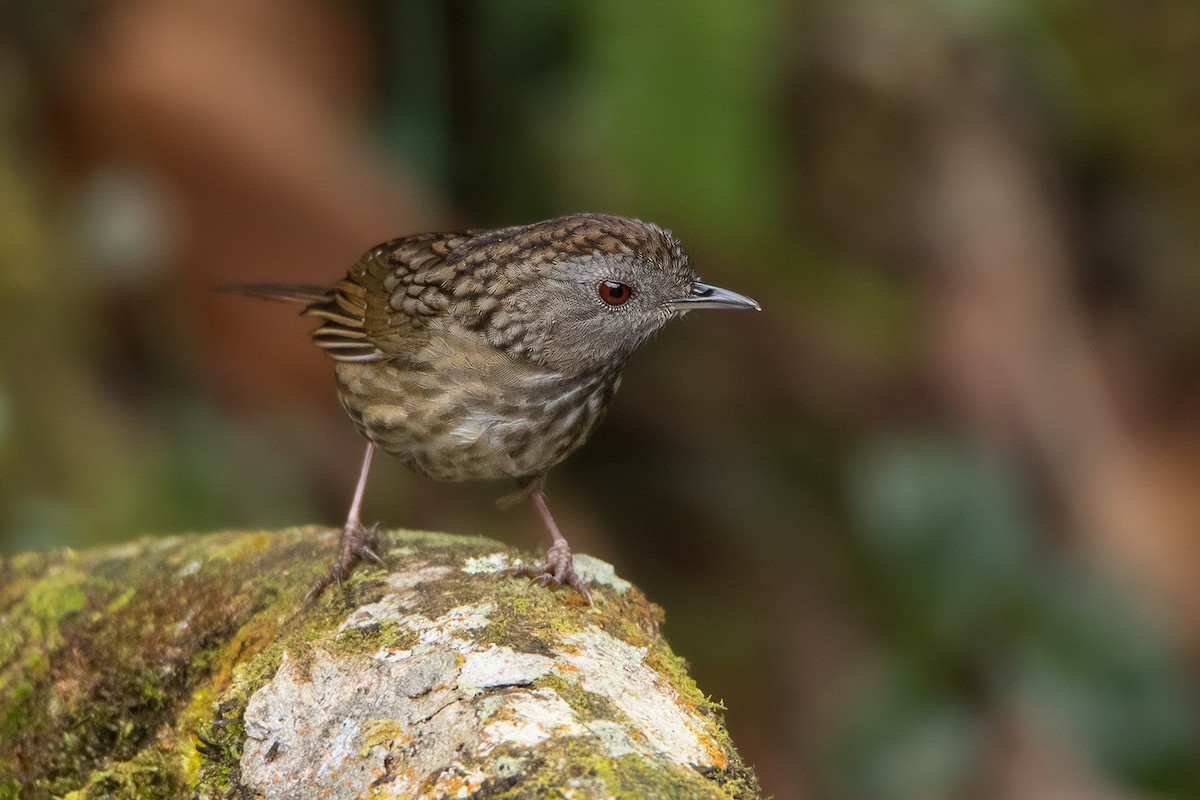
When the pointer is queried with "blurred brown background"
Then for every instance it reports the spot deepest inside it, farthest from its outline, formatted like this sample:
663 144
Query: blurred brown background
929 524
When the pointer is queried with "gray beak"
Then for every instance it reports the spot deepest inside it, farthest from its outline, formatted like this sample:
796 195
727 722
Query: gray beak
705 296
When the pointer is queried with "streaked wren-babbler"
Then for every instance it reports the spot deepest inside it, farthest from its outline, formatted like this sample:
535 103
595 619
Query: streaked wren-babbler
487 354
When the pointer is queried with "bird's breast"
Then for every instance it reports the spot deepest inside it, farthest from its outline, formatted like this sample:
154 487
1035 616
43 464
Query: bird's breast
470 418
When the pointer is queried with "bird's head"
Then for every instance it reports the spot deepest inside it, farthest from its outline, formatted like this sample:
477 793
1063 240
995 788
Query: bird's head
594 289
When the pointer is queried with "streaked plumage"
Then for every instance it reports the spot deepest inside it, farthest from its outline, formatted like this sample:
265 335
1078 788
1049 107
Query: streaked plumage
495 353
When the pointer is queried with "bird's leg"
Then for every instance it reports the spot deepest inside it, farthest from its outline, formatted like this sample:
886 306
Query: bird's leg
558 568
560 565
355 543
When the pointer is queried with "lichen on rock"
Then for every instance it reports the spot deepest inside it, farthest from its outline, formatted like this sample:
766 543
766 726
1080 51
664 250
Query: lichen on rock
183 668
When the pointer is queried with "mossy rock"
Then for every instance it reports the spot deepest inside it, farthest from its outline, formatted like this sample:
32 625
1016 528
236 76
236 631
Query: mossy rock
184 667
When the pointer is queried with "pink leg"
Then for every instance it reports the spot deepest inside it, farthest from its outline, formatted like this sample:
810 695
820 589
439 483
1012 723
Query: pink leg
539 500
354 517
559 567
355 542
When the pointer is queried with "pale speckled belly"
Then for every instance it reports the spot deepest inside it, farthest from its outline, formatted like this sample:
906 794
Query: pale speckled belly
453 426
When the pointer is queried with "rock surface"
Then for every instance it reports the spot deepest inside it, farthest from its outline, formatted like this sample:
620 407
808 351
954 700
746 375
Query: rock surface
182 667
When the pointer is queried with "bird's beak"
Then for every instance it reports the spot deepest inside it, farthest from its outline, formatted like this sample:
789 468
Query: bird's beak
705 296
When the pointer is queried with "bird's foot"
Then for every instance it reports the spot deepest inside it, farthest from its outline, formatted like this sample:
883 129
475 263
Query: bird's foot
557 570
355 544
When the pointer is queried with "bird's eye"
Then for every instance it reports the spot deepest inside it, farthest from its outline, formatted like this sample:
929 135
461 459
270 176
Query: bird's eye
615 294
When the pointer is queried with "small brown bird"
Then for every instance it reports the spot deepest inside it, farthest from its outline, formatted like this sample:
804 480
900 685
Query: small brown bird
488 354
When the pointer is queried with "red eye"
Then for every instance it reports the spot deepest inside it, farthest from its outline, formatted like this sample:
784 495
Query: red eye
615 294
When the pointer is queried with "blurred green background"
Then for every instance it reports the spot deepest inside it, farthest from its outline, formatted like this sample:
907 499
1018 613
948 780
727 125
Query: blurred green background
929 525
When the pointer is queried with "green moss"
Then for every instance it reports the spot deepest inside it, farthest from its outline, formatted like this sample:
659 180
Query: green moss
243 546
146 777
186 753
30 633
586 705
634 619
369 639
25 562
526 619
379 733
665 662
10 788
140 641
219 737
734 776
43 606
120 601
575 767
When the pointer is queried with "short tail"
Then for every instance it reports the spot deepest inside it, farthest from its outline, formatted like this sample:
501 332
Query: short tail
285 292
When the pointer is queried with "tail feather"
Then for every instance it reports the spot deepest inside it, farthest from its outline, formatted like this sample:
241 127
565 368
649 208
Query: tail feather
341 309
285 292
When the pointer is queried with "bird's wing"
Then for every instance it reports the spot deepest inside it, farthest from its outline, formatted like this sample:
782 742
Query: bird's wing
401 291
384 308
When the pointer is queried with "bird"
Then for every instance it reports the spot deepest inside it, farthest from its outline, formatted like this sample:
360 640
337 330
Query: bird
489 354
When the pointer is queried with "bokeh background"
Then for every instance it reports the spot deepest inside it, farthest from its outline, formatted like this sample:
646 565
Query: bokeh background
929 525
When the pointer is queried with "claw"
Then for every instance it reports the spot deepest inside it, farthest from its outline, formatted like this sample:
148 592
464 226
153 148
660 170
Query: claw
371 554
356 544
557 570
576 583
314 593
